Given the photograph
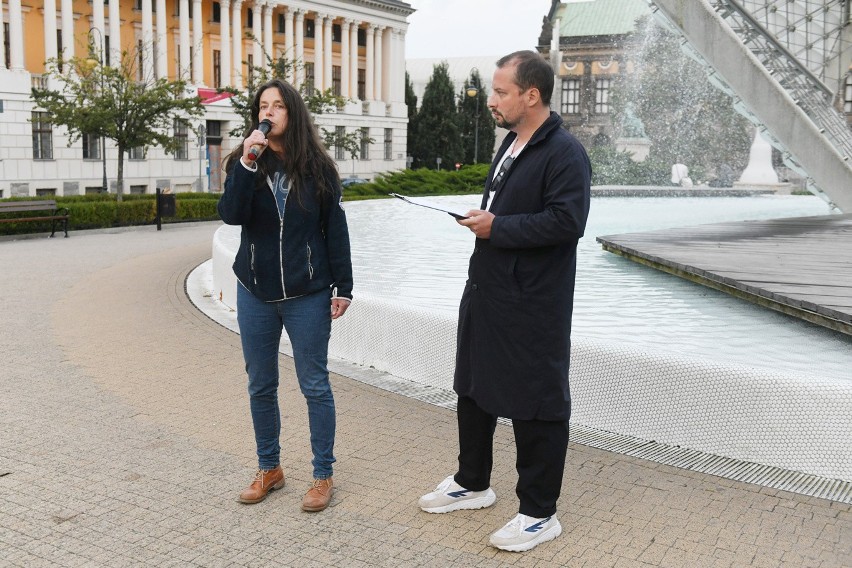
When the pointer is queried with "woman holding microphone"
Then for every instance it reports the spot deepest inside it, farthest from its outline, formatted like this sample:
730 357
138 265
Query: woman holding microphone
294 273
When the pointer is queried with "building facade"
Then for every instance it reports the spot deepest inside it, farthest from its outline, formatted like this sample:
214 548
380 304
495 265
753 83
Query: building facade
589 46
355 47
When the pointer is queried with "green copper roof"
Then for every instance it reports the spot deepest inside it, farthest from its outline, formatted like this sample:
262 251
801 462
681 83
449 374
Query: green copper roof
599 17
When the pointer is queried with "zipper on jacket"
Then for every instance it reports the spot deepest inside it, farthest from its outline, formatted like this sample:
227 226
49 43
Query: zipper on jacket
253 273
310 266
281 246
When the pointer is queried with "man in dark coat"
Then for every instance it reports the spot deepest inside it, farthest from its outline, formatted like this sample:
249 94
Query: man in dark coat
515 314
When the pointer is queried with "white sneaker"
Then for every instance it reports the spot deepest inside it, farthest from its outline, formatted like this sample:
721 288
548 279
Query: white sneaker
523 533
450 496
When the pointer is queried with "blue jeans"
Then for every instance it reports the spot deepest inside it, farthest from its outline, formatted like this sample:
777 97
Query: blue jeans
307 320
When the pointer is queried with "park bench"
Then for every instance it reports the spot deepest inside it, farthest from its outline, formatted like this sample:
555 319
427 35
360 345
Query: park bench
40 210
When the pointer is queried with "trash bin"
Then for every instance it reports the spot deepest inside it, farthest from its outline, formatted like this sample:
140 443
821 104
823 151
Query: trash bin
166 204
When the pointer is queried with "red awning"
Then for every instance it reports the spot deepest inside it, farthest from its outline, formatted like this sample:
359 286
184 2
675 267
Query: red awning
211 96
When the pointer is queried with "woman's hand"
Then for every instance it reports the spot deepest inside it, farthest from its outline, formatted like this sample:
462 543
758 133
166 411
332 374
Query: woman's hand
256 138
338 307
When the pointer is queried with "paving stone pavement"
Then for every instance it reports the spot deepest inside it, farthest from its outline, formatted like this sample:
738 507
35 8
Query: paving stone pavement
125 438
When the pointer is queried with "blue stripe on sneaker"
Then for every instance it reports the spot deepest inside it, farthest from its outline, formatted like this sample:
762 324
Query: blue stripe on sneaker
537 526
457 494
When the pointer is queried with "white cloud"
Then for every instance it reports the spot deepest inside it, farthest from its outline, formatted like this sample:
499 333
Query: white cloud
458 28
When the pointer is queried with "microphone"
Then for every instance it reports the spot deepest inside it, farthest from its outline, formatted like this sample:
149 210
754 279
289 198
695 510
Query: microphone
265 126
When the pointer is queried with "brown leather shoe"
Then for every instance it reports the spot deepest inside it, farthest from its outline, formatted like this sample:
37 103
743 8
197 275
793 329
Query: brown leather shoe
264 482
318 496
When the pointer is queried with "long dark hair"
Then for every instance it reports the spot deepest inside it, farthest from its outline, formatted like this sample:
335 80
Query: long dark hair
304 153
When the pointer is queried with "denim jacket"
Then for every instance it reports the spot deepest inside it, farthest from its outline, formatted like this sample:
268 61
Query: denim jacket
305 252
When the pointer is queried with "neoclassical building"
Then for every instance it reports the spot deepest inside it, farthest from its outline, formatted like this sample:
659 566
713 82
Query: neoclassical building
355 47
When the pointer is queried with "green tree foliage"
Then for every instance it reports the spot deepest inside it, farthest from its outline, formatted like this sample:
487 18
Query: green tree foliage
436 125
687 119
112 102
476 122
411 101
318 102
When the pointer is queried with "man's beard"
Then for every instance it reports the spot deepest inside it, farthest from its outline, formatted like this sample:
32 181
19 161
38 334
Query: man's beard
503 123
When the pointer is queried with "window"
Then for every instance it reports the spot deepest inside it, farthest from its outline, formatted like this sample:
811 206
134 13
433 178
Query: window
91 147
570 96
46 191
847 98
42 136
137 153
388 143
217 68
362 84
365 143
309 77
217 13
182 139
335 79
336 34
339 133
602 96
249 18
58 44
309 28
140 68
282 24
138 189
7 45
362 37
250 65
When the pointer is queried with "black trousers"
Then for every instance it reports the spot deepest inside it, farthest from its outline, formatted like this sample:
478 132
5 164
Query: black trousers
541 446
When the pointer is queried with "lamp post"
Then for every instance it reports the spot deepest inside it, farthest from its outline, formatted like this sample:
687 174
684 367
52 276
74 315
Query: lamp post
472 91
202 145
104 187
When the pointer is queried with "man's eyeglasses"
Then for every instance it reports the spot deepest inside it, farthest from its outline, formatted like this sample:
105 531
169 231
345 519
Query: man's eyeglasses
501 175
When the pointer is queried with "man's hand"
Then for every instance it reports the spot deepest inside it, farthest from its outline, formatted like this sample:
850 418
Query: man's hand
479 222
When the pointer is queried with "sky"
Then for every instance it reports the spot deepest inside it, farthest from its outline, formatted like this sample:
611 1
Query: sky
460 28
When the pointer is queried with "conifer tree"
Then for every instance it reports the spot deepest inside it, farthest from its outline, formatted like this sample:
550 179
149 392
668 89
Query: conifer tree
436 125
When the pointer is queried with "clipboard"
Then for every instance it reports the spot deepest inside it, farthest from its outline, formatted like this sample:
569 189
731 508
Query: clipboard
454 214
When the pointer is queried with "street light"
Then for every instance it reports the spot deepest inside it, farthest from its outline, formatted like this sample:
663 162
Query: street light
472 91
104 187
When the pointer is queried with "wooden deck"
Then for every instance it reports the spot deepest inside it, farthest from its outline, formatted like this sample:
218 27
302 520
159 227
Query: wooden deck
799 266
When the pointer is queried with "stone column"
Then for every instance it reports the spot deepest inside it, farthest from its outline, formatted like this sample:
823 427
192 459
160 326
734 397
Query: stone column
197 43
114 33
257 42
290 45
319 75
50 49
98 24
16 36
268 30
353 59
225 43
371 45
237 29
162 41
183 25
300 46
326 64
67 27
3 36
378 89
147 39
344 58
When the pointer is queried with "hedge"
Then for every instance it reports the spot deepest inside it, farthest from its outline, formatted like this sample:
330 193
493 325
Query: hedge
98 211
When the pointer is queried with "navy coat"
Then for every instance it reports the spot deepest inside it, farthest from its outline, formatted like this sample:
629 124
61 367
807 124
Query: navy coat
513 350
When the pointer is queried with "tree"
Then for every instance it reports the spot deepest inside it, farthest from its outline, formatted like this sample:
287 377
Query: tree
476 122
687 119
102 100
436 124
411 102
318 102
